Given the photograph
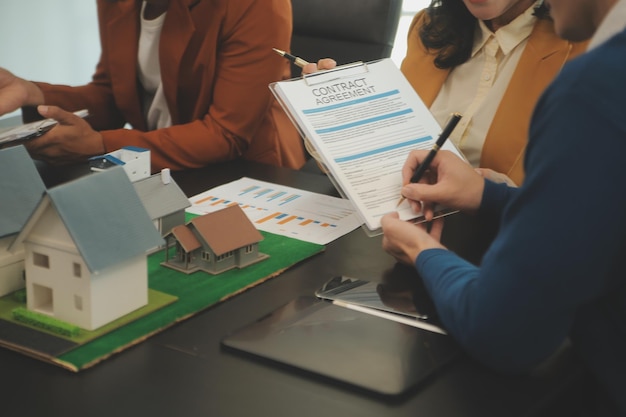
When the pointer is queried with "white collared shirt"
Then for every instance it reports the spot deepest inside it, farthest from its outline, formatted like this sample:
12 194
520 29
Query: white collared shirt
155 108
476 87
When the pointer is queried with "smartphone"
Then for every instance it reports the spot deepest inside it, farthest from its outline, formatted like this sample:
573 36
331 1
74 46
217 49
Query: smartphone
385 296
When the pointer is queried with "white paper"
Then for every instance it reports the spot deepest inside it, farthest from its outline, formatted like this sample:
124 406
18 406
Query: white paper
363 120
281 210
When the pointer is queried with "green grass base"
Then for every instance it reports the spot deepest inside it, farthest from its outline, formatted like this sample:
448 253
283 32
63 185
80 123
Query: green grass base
195 292
156 300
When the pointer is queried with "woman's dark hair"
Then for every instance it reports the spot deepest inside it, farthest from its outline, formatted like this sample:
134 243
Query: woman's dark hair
449 29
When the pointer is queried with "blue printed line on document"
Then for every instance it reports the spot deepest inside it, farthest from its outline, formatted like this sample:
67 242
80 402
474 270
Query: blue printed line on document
381 150
350 103
365 121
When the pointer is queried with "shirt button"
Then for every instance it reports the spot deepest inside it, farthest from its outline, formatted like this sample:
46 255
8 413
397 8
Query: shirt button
487 77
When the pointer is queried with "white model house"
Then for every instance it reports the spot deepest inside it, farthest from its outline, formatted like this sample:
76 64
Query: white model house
134 160
21 189
86 245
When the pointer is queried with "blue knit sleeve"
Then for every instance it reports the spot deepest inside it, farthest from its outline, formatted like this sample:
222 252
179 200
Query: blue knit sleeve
561 236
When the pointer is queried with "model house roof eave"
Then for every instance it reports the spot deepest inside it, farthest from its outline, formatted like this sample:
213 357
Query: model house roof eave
40 208
20 180
185 237
160 199
105 218
226 229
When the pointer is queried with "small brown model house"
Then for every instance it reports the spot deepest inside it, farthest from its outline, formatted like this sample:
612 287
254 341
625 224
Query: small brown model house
214 243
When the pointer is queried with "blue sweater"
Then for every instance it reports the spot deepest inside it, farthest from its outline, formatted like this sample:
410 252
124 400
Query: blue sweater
557 268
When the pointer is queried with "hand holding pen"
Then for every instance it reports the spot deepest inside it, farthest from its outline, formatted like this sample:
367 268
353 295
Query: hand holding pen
291 58
423 167
307 67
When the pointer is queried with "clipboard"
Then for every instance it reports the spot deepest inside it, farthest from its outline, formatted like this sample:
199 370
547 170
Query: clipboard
31 130
363 119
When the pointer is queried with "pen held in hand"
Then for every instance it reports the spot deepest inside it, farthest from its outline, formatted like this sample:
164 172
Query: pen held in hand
292 58
423 167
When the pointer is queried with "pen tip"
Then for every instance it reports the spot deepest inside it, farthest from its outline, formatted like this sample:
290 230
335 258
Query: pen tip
279 52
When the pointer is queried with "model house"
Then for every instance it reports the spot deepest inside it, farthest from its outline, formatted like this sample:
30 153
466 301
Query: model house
85 246
163 199
159 193
214 242
134 160
21 189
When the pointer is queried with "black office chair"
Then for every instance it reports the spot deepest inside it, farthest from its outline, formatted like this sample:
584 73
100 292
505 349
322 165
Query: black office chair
345 30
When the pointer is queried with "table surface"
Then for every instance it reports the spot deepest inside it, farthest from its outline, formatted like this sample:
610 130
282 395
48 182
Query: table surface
184 371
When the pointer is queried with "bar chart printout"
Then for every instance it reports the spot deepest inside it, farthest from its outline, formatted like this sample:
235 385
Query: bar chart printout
281 210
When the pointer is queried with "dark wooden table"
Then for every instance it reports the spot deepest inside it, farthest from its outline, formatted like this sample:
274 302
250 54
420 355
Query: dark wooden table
183 371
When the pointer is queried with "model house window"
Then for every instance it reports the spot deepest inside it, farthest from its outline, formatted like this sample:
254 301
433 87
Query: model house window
206 256
77 270
41 260
249 249
78 302
224 256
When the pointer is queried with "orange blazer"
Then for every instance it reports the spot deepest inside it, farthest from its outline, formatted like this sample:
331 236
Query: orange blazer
216 63
505 143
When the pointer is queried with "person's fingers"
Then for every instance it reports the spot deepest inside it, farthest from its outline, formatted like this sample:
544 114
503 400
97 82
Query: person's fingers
436 228
326 64
309 68
56 113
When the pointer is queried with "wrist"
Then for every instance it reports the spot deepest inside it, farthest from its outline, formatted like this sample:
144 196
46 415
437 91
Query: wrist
34 95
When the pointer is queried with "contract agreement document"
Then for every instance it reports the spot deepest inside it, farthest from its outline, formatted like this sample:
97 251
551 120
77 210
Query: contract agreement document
363 119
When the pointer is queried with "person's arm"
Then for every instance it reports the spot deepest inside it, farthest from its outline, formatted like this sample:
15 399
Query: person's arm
245 66
558 244
16 92
238 94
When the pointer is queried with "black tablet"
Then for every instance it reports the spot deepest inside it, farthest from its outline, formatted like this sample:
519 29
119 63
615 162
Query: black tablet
356 348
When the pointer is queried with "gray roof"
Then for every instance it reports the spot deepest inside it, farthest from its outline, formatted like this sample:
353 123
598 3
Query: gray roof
105 218
21 189
160 199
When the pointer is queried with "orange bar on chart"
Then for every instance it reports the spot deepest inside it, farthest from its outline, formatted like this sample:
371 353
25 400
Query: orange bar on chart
204 199
270 217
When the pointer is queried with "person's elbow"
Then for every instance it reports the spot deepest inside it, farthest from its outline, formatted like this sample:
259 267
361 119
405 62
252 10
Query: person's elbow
509 354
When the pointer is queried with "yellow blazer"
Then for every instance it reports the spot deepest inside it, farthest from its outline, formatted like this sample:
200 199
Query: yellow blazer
542 59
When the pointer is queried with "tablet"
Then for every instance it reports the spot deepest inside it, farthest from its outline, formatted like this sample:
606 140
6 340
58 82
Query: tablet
354 348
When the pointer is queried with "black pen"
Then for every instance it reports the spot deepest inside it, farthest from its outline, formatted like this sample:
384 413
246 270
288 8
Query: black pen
445 133
292 58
